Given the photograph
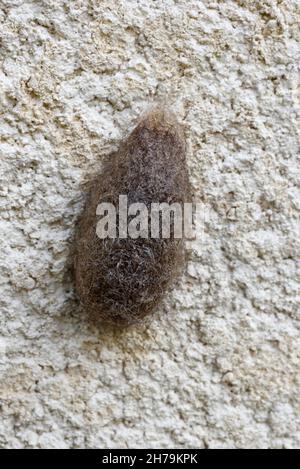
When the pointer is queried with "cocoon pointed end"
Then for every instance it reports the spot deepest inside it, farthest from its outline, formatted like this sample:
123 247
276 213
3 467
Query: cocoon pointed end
122 280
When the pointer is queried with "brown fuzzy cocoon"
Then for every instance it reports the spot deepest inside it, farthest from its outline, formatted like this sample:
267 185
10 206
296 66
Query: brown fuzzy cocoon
123 280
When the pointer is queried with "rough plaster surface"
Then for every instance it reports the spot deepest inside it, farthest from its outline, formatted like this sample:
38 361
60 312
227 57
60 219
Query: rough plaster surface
218 366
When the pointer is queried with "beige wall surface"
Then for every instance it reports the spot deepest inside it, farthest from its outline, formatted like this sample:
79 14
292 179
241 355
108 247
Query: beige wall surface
218 364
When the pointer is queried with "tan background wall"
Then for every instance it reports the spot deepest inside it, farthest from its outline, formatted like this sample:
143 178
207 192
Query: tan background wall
218 366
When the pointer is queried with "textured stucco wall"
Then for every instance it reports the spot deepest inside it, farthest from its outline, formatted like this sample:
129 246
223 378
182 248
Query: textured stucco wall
218 366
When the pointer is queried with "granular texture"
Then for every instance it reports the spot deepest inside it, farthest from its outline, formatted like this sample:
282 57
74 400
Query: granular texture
218 367
123 280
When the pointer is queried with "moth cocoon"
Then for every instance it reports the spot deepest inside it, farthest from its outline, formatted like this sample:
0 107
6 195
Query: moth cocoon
122 279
